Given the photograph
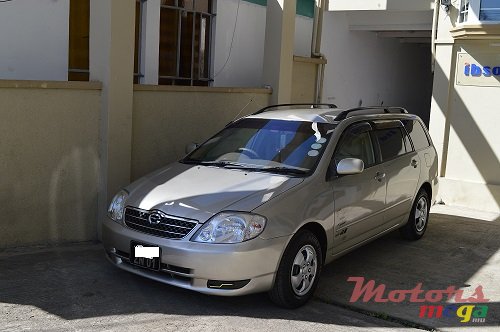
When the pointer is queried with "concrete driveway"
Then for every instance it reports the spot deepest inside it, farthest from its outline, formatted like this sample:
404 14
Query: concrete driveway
74 288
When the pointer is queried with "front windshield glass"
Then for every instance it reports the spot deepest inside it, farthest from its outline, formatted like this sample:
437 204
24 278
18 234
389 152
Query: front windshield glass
266 144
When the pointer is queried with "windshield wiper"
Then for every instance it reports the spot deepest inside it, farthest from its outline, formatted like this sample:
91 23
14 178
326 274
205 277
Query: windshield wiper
221 163
190 161
235 165
283 170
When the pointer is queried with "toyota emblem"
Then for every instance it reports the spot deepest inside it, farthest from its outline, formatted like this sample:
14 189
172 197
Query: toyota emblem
155 218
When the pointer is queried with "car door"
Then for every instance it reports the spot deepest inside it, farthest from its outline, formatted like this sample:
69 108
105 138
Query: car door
401 165
359 199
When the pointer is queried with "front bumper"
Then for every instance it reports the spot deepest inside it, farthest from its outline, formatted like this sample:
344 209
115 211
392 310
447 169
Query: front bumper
191 265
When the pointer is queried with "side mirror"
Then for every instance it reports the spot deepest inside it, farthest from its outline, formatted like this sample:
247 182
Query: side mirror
190 147
349 166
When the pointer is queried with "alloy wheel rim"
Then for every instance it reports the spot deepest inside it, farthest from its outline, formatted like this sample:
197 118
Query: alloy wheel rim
421 214
304 270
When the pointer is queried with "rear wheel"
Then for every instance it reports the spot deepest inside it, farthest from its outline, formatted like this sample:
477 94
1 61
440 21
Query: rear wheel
298 272
419 217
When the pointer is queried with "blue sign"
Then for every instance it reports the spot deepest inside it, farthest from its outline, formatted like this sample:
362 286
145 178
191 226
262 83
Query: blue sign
477 70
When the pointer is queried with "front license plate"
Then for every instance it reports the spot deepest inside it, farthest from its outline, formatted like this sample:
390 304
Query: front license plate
145 256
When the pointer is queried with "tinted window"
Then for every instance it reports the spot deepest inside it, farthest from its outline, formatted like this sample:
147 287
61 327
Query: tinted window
356 146
417 134
391 142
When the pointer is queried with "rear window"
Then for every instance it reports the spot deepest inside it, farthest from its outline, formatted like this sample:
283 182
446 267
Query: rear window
417 134
391 142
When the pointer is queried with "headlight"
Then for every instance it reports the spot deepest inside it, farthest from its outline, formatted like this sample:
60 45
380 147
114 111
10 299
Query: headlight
117 206
230 227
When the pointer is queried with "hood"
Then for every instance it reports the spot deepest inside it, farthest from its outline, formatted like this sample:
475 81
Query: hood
198 192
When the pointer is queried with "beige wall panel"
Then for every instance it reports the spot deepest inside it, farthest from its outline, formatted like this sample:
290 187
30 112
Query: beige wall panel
164 120
304 82
49 163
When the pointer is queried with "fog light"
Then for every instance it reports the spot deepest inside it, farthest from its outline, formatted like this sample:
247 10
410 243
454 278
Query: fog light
220 284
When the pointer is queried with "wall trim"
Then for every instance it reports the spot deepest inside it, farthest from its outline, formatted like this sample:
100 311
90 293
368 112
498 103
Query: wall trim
179 88
476 31
445 41
318 61
70 85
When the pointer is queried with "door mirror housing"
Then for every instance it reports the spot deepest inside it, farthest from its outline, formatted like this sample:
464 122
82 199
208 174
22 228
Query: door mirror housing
190 147
350 166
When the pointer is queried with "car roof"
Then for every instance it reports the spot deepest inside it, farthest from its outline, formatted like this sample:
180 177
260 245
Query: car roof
323 115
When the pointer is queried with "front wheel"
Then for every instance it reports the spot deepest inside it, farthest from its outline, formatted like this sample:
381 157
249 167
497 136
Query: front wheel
298 272
419 217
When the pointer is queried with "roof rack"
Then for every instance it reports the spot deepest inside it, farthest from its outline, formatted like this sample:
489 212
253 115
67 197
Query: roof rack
267 108
343 115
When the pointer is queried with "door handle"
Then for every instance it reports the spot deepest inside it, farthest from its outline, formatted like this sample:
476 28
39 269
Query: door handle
414 163
379 177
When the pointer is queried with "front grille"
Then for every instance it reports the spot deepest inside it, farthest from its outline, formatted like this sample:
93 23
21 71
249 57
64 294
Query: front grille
164 226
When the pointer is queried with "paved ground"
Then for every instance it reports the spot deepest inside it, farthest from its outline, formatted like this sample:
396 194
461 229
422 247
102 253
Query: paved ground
74 288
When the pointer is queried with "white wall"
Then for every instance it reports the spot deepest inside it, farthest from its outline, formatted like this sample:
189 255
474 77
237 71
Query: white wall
303 36
381 5
363 68
244 67
34 39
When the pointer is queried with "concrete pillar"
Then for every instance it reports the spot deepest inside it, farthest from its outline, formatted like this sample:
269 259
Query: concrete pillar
112 39
150 41
439 124
279 46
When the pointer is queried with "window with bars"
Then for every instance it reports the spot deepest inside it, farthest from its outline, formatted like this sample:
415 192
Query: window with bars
79 31
185 30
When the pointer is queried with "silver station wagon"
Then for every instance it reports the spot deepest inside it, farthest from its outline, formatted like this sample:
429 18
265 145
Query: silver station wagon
266 202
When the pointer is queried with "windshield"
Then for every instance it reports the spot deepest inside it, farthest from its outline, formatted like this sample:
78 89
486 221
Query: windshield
266 145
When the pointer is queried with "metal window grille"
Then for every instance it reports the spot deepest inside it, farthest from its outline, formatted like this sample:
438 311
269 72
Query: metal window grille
185 35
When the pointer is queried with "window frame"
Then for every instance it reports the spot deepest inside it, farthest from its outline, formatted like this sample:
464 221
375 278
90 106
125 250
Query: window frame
403 131
376 151
429 142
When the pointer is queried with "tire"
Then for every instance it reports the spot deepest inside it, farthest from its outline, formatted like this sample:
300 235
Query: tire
419 217
293 286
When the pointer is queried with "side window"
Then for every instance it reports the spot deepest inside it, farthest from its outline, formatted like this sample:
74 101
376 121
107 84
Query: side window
417 134
407 142
391 142
356 146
